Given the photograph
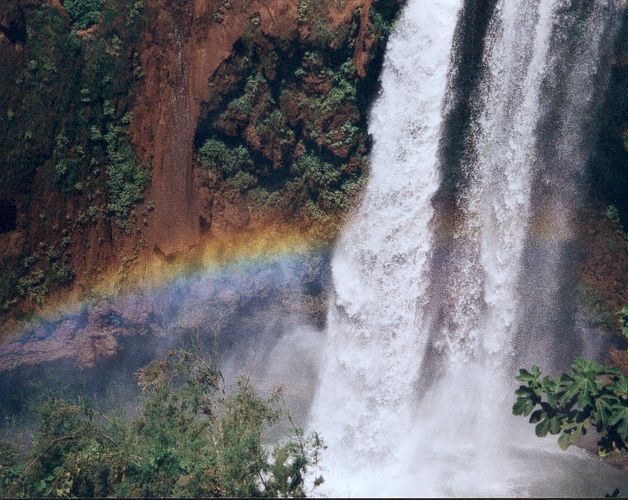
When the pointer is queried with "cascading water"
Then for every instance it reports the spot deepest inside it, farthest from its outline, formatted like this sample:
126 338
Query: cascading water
380 265
392 428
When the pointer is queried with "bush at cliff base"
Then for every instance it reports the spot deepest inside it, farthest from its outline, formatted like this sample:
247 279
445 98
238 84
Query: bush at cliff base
189 438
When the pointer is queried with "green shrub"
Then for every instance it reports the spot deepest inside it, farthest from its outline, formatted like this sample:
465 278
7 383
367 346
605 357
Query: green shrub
315 173
217 156
590 395
303 10
190 439
623 320
274 127
84 13
126 178
278 123
68 161
33 286
264 197
256 86
344 89
242 181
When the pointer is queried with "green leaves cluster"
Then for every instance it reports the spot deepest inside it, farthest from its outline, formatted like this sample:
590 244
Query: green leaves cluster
68 160
224 160
126 177
290 130
189 439
589 395
622 315
69 105
84 13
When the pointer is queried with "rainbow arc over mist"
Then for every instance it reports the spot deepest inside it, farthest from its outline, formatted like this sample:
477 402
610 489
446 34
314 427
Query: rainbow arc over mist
144 294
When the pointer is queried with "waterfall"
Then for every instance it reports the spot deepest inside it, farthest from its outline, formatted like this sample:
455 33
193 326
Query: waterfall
414 397
380 266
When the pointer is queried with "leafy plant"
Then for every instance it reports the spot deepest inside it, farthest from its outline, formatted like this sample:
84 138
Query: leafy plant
224 160
623 320
590 395
242 181
84 13
315 173
190 439
68 161
289 131
613 214
127 179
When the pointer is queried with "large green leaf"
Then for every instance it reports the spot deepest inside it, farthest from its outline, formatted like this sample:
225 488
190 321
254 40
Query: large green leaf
554 425
582 388
529 376
570 438
603 409
589 394
619 419
542 428
537 416
620 387
550 385
587 368
523 407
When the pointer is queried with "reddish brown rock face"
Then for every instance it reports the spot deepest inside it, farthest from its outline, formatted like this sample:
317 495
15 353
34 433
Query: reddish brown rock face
182 50
186 51
182 46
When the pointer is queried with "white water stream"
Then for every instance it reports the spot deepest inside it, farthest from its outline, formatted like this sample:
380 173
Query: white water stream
388 433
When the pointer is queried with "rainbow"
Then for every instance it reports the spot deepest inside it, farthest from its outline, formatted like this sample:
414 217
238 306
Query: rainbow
139 283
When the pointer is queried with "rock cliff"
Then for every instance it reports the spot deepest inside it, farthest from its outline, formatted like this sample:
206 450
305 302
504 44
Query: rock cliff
104 114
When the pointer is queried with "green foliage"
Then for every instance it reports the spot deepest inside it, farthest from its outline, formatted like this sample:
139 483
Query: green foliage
344 88
33 286
190 439
255 94
614 216
35 275
321 183
84 13
383 18
36 93
589 395
623 320
329 190
315 172
274 129
10 468
226 161
68 161
126 178
380 24
60 95
290 129
242 181
303 10
63 99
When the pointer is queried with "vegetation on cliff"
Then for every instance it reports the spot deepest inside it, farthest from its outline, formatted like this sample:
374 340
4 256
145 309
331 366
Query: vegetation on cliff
65 131
75 87
284 126
286 123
